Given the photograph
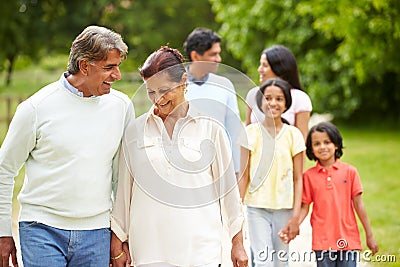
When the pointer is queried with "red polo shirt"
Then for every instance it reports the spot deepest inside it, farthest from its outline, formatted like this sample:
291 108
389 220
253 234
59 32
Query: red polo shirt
331 190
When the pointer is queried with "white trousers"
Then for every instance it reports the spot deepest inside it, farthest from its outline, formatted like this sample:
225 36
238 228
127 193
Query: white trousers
266 247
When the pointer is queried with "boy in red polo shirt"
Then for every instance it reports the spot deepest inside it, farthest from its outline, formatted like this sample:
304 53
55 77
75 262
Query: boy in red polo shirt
334 188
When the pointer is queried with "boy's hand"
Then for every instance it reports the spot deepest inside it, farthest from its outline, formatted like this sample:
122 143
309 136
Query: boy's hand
284 236
372 245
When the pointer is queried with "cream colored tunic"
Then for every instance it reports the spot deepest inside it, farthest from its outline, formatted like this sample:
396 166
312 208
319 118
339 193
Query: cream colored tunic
169 205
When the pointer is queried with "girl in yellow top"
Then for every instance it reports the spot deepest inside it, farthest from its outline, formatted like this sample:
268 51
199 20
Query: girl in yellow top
271 184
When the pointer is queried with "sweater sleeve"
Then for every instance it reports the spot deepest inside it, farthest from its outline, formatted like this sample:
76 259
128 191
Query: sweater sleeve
18 143
129 117
120 216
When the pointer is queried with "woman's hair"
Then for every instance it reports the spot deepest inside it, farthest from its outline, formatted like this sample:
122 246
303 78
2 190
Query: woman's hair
166 59
93 44
283 64
284 85
334 136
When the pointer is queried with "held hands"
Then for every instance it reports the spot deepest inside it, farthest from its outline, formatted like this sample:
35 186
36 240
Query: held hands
121 259
289 232
119 252
7 249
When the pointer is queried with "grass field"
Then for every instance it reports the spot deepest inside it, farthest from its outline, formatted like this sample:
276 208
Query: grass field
374 152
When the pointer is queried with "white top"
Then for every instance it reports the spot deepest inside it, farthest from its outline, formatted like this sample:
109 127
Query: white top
216 97
169 207
68 144
301 102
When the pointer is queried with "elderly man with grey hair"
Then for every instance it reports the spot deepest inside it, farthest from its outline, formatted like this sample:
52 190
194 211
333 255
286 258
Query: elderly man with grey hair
68 135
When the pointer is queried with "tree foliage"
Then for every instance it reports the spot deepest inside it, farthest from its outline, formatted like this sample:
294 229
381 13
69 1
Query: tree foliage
147 25
347 50
35 27
18 32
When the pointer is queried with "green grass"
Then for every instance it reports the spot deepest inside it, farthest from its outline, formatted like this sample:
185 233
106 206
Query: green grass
374 152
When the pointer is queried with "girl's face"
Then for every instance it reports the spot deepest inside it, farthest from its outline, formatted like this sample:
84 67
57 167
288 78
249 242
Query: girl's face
274 102
323 148
265 69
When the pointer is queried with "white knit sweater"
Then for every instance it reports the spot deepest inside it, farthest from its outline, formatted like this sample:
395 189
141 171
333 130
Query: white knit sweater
68 144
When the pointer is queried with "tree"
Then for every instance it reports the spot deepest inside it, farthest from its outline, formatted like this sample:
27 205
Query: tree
18 32
37 27
346 50
147 25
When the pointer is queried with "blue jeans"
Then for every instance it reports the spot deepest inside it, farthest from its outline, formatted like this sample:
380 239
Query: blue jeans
267 249
43 246
341 258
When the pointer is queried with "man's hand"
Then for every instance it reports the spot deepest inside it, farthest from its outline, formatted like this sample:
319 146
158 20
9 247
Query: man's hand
7 249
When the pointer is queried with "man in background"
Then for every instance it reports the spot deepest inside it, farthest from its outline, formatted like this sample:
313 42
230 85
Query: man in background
214 95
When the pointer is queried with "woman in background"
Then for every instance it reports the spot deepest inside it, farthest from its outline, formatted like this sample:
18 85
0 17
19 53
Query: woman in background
279 62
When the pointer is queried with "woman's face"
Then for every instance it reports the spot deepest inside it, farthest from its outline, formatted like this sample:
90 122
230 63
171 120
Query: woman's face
165 94
265 69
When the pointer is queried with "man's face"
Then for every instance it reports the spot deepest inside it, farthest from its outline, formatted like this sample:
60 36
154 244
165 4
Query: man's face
101 74
212 55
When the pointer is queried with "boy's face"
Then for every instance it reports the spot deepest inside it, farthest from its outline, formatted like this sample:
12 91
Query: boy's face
323 148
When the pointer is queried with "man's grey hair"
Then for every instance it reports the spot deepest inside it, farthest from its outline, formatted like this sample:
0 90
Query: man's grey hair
93 44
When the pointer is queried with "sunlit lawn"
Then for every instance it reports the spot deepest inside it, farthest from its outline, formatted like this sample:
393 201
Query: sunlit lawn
374 152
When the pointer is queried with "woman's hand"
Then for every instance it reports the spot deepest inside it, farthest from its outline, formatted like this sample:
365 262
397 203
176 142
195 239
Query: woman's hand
120 255
238 253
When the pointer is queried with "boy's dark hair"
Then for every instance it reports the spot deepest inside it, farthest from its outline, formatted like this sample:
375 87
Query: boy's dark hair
334 135
284 85
200 40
